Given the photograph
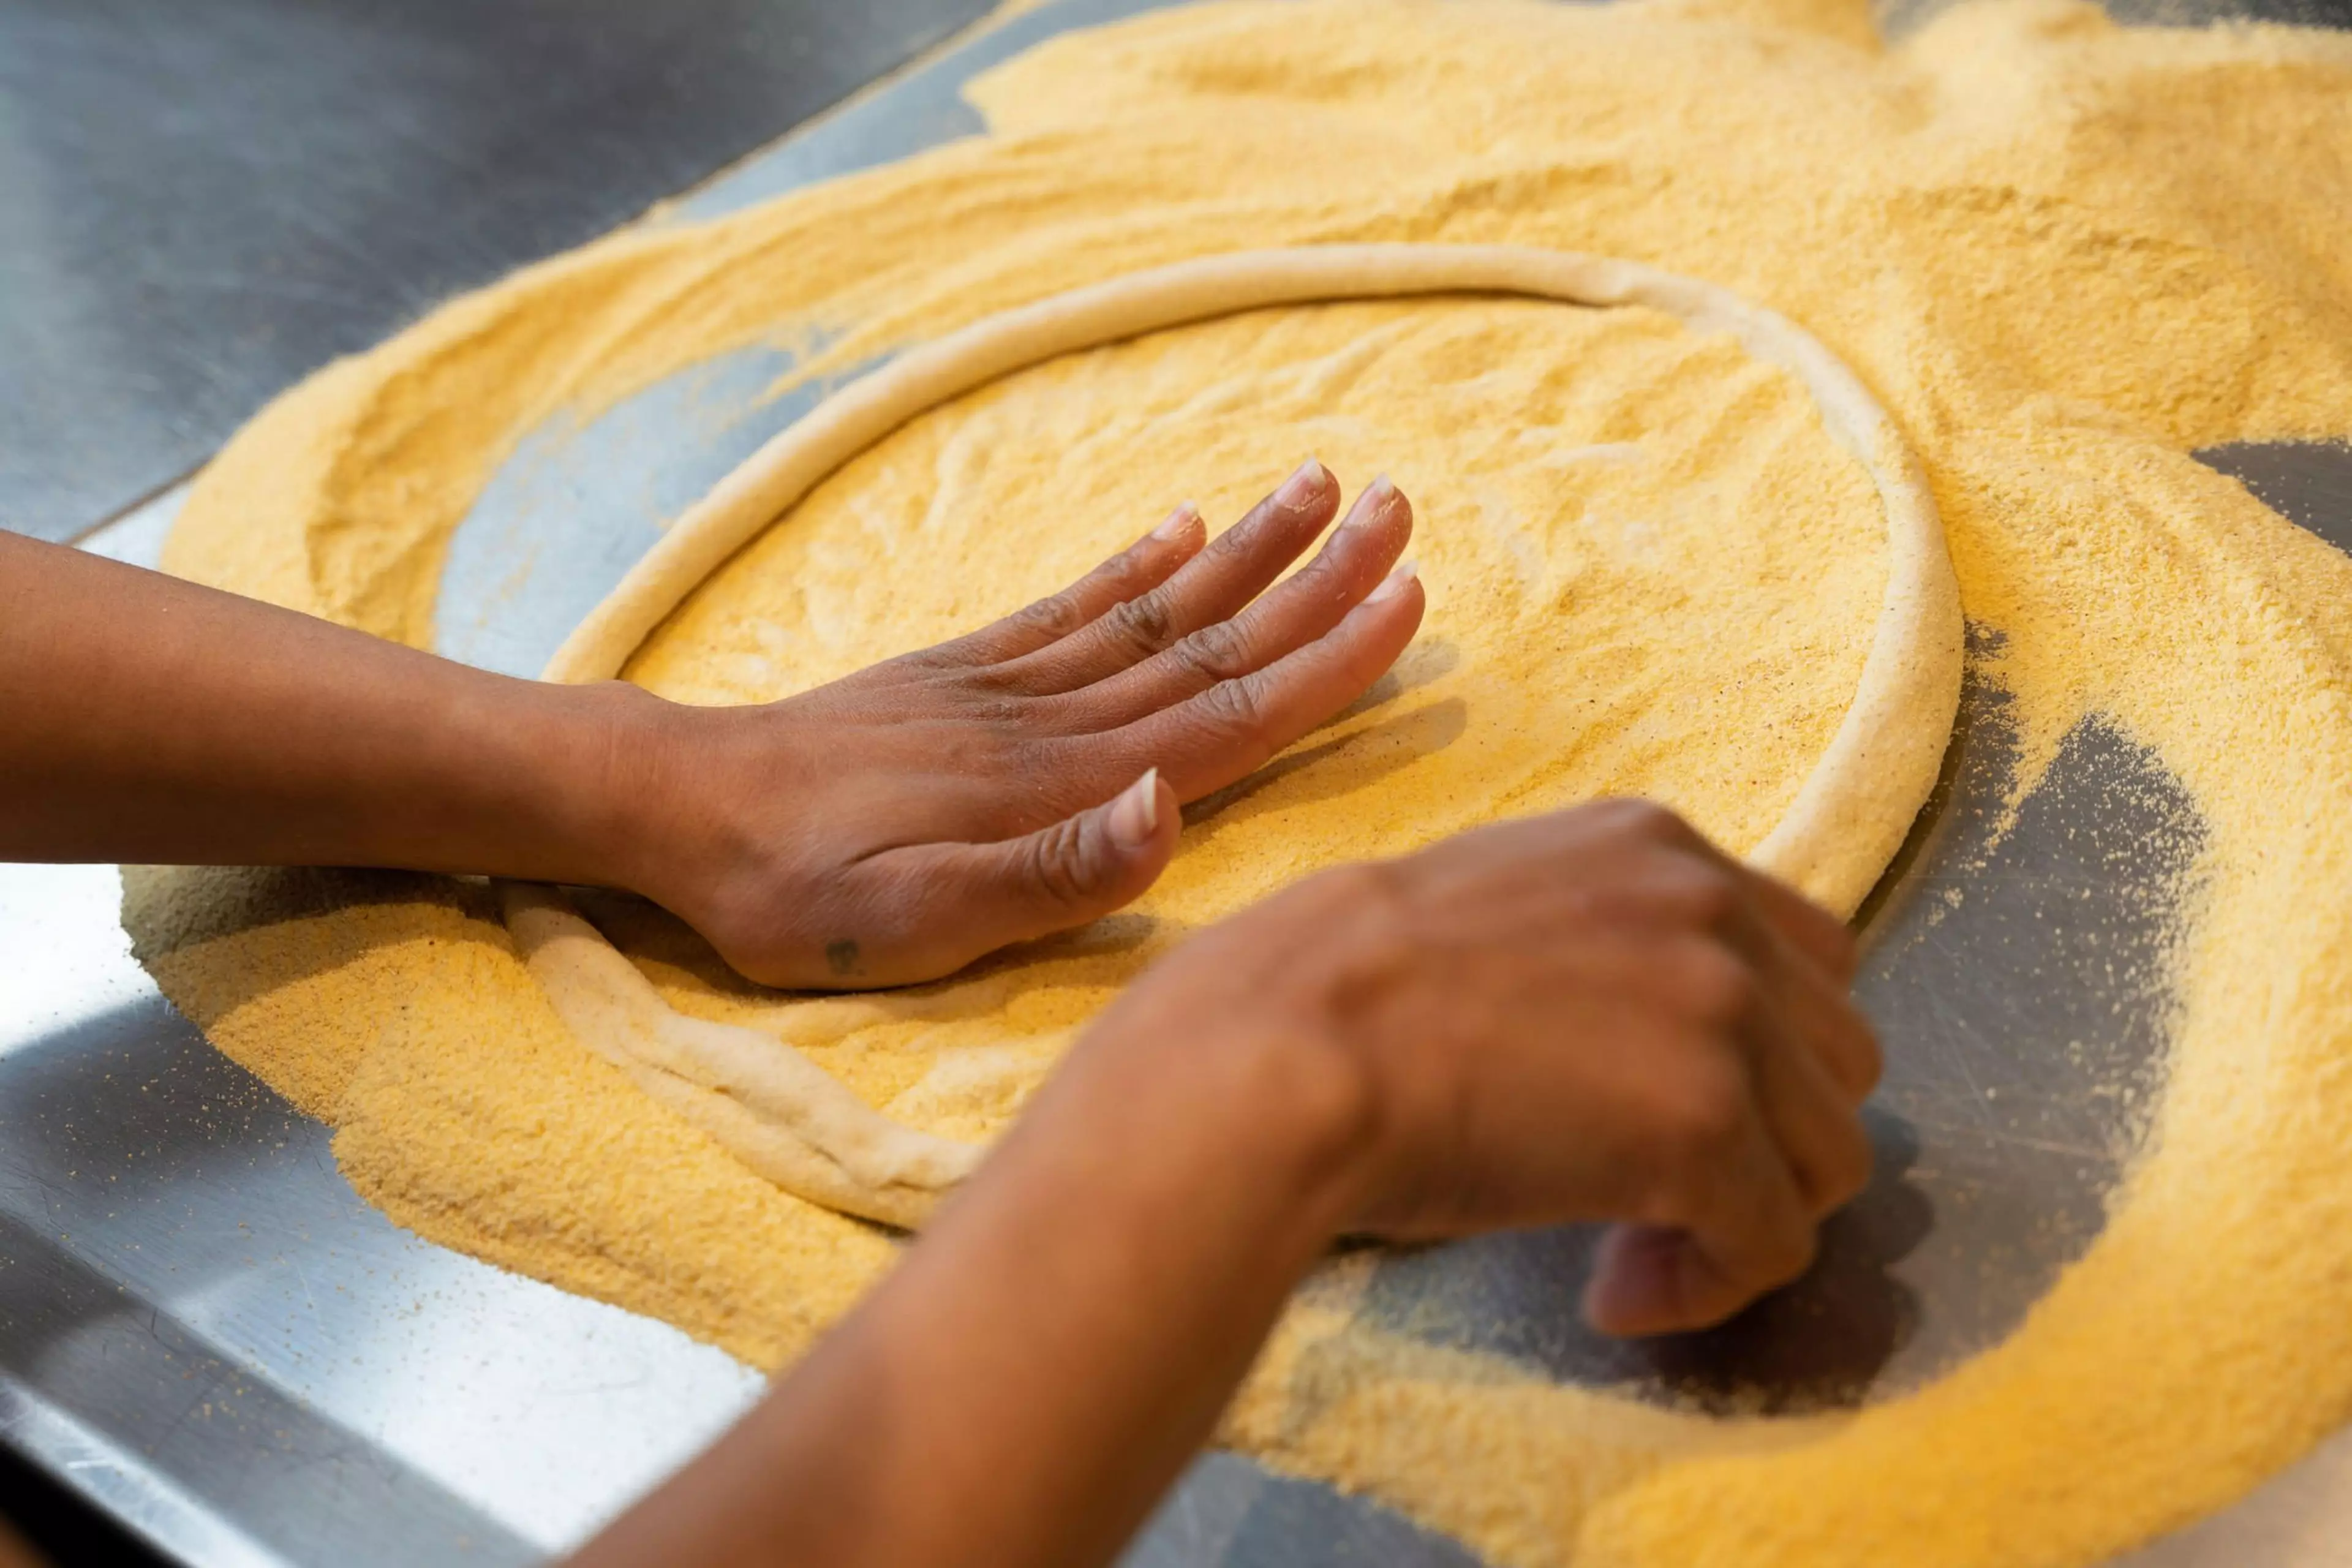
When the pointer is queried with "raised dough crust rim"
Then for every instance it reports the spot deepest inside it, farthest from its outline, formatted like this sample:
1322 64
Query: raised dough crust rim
772 1107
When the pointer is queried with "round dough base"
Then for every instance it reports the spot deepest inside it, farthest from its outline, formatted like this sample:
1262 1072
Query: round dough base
784 1116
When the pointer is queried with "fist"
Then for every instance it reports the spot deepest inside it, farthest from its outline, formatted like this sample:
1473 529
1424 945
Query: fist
1592 1016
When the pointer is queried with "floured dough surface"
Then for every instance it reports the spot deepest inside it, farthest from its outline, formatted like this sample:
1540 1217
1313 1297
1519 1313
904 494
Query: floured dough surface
1650 572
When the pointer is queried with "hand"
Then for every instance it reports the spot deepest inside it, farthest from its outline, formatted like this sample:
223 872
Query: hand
895 825
1586 1016
1594 1016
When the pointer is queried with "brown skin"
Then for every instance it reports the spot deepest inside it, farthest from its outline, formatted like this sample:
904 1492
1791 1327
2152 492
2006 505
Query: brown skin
1589 1017
898 824
888 828
1592 1016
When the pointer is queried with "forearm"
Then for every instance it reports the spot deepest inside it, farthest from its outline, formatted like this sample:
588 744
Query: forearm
1052 1354
146 719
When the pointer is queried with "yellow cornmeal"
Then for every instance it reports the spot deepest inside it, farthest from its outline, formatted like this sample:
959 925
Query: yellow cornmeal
1636 542
2063 255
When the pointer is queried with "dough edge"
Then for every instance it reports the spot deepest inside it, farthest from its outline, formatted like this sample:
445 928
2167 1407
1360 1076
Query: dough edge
796 1126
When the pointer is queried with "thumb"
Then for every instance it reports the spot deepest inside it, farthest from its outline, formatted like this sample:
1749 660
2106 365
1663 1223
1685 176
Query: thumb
967 900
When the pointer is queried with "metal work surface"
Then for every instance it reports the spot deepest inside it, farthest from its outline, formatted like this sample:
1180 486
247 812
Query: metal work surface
203 1326
199 204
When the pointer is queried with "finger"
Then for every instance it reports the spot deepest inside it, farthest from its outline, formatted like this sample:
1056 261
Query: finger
1211 586
1812 930
1799 955
1136 570
1746 1233
1811 1116
1235 727
1758 1001
1816 933
1556 837
1823 1018
1636 1282
1352 562
934 908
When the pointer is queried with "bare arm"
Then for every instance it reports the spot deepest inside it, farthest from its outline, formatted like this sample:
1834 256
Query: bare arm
888 828
1591 1016
146 719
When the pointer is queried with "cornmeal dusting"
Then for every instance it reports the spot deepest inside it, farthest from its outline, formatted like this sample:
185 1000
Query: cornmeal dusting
2063 253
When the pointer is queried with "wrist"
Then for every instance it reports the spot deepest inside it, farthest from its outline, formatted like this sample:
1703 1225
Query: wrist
1216 1076
1286 997
1310 1120
584 764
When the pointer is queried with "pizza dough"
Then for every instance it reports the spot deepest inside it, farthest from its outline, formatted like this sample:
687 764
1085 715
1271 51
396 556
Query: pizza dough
782 1114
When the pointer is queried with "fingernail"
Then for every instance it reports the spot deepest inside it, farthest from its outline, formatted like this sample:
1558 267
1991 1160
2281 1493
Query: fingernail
1372 506
1135 815
1305 483
1394 584
1178 523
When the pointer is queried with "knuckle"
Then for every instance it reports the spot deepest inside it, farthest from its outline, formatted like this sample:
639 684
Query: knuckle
1325 577
1056 615
1056 866
1237 543
1699 894
1717 988
1215 653
1641 818
1232 710
1145 623
1705 1117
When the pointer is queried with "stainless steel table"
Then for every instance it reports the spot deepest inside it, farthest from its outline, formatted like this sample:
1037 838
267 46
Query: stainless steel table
202 1326
199 204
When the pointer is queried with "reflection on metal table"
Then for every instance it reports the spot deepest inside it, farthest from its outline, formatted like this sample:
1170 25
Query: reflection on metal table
199 204
202 1328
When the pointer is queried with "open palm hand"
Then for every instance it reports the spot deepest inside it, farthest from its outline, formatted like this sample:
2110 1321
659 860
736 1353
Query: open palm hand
894 825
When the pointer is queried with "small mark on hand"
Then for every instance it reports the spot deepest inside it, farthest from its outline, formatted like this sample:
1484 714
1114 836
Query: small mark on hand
841 957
